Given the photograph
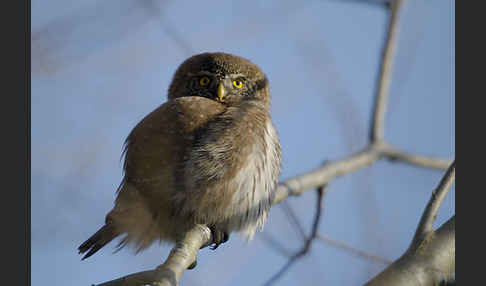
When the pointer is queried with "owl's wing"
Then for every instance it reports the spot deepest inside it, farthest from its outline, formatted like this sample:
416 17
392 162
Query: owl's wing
155 149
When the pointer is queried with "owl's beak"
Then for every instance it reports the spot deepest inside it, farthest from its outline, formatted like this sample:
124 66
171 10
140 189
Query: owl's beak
221 92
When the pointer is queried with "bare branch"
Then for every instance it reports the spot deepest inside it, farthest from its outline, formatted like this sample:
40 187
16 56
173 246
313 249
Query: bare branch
292 187
317 218
52 49
185 252
323 175
430 213
367 2
153 8
308 242
274 244
352 250
384 80
55 45
430 259
431 264
421 161
284 269
180 258
292 217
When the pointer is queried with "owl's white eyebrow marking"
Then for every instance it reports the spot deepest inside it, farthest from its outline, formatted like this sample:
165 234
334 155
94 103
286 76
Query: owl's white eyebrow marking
235 75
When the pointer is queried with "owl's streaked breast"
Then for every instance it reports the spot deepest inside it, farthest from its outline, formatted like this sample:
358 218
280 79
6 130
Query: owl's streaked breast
255 184
232 170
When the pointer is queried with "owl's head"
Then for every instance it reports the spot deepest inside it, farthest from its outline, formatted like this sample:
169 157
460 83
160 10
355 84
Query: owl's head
222 77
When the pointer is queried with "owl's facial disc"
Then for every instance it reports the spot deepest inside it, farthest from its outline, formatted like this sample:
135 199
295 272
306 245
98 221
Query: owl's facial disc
222 88
230 87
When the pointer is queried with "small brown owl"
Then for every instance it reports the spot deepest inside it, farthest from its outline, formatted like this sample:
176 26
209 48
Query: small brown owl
209 155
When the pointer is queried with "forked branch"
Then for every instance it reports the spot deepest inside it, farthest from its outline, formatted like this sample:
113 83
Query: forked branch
185 252
430 259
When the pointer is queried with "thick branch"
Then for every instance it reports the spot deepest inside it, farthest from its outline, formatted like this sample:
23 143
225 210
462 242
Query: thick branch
384 80
430 259
431 264
180 258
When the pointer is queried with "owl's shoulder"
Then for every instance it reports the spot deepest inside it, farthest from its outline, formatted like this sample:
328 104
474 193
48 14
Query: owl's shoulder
182 114
158 140
196 105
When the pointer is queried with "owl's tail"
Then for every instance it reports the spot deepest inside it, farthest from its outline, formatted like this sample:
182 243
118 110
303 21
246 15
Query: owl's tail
98 240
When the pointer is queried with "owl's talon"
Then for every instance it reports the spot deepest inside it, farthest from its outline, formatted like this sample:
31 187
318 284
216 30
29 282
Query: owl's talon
219 237
193 265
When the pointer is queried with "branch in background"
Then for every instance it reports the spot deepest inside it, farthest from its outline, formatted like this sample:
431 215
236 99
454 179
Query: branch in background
178 261
53 49
274 244
308 242
292 187
352 250
430 213
292 217
384 79
430 259
153 8
385 3
55 45
323 175
394 154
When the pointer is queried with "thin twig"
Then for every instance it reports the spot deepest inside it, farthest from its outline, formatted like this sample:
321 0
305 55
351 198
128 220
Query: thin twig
394 154
292 217
308 242
353 250
274 244
385 3
55 45
317 218
430 213
384 79
153 7
284 269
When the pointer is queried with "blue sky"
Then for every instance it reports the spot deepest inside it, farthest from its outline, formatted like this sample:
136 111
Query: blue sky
98 67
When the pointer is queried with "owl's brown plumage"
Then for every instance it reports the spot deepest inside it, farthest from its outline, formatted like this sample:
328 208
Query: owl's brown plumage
209 155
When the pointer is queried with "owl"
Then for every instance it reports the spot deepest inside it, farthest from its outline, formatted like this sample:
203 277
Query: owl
209 155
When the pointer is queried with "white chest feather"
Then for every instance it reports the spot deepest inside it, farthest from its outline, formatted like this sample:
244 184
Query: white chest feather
255 184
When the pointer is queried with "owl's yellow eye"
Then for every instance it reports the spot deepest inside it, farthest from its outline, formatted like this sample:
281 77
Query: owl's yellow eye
237 83
204 81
